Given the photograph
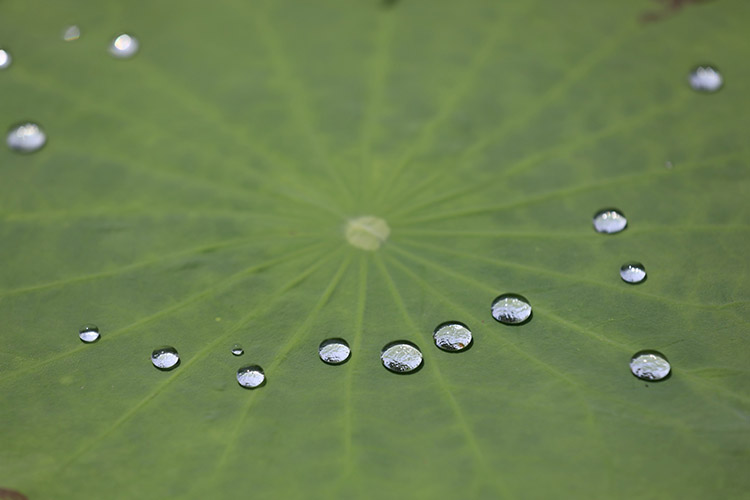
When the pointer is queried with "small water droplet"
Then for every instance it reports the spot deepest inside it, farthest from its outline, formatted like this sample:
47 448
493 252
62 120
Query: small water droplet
124 46
401 356
650 365
511 309
705 79
668 164
367 232
452 336
633 272
26 137
5 59
334 351
89 333
609 221
237 350
165 358
71 33
251 376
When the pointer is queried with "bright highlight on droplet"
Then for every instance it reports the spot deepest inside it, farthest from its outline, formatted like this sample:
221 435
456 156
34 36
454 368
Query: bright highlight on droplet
251 376
123 46
26 138
237 350
89 333
633 272
609 221
71 33
511 309
334 351
165 358
401 356
650 365
367 232
705 79
452 336
5 59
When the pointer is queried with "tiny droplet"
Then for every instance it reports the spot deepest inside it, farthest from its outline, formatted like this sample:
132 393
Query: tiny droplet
165 358
705 79
511 309
237 350
26 137
334 351
89 333
5 59
650 365
633 272
401 356
609 221
71 33
251 376
367 232
452 336
124 46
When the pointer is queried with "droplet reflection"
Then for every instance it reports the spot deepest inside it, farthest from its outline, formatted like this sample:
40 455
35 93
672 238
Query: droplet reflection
650 365
401 356
124 46
26 138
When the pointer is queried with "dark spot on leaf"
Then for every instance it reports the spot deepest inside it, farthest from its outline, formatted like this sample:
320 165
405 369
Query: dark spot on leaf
12 495
668 8
389 3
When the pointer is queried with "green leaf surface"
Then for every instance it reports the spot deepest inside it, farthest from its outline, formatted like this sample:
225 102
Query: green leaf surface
197 194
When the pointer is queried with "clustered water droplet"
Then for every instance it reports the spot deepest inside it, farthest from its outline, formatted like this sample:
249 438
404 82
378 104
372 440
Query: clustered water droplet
251 376
452 336
511 309
165 358
124 46
5 59
334 351
237 350
705 79
650 365
401 356
89 333
633 272
609 221
26 137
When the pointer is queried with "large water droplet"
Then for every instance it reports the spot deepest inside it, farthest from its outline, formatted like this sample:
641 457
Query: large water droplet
650 365
71 33
452 336
124 46
165 358
511 309
609 221
237 350
26 137
705 79
251 376
401 356
367 232
334 351
89 333
633 272
5 59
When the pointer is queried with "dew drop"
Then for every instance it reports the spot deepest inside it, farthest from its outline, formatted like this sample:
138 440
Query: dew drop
401 356
124 46
165 358
633 272
251 376
705 79
71 33
452 336
609 221
334 351
367 232
5 59
511 309
650 365
237 350
26 137
89 333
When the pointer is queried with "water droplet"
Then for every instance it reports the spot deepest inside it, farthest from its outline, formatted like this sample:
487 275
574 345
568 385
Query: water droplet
237 350
89 333
251 376
452 336
668 164
633 272
334 351
401 356
124 46
705 79
71 33
609 221
5 59
165 358
511 309
26 137
367 232
650 365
